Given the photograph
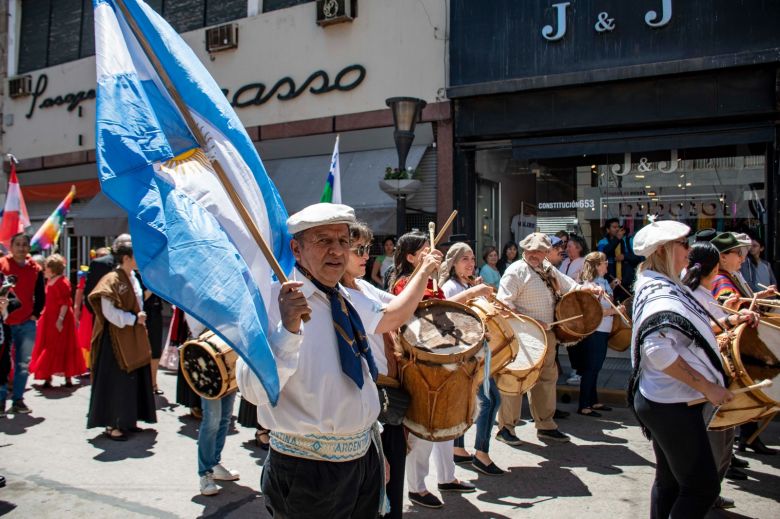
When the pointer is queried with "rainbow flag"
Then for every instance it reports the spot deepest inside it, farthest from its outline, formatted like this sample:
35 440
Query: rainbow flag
49 232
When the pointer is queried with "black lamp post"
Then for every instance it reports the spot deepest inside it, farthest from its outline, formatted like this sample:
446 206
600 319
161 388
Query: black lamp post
406 112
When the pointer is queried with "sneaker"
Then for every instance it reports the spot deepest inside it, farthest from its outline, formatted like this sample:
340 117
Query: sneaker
458 459
464 487
724 503
220 473
574 380
207 485
553 435
428 500
490 470
18 407
508 437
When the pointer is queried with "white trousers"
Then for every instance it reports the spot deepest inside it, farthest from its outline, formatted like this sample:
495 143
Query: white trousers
418 458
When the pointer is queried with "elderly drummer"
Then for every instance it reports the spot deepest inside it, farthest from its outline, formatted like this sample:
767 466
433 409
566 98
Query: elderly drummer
532 287
675 360
322 462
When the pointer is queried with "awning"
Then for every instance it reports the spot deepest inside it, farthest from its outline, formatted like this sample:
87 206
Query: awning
99 217
300 181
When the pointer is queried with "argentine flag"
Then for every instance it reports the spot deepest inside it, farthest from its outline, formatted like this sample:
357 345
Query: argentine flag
158 161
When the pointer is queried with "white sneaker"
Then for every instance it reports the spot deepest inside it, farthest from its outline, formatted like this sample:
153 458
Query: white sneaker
220 473
574 380
207 485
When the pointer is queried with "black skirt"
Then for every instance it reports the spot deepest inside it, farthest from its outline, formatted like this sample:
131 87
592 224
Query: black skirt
119 399
247 414
184 394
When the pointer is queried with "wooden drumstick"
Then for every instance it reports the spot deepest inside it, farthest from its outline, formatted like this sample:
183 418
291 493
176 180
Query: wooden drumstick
758 385
444 228
564 320
617 310
432 233
752 303
760 321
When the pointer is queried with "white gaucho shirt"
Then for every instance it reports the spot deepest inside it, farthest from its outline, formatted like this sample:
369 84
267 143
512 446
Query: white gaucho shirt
315 395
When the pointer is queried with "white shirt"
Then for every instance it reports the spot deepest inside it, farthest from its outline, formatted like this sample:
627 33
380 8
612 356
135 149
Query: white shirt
315 395
524 291
121 318
451 288
704 297
572 268
375 340
606 322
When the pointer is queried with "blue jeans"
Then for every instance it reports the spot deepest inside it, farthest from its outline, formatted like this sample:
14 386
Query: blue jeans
488 408
23 339
213 431
592 352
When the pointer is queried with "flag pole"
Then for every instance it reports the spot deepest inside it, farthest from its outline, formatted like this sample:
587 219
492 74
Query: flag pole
193 127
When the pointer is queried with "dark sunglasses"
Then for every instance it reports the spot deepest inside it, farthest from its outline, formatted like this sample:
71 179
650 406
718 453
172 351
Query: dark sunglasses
361 250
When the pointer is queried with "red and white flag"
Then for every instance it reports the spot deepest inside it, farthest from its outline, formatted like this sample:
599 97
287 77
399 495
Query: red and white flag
15 217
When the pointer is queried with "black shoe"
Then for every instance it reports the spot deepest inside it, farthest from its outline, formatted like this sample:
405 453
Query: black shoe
2 481
601 407
739 463
735 474
589 412
552 435
508 437
560 415
464 487
18 407
428 500
757 446
461 459
724 503
490 470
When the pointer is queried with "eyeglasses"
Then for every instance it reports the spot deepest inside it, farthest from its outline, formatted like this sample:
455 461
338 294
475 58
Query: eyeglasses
741 251
361 250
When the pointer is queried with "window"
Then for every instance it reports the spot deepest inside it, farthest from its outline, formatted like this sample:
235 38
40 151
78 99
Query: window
58 31
275 5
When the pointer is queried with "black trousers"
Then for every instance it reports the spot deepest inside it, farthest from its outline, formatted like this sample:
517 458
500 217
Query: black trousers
686 480
394 447
297 488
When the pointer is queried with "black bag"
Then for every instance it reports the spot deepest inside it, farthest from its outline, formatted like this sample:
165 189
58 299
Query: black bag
393 402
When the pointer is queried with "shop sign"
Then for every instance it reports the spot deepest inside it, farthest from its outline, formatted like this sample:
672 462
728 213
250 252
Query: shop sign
572 204
603 22
643 166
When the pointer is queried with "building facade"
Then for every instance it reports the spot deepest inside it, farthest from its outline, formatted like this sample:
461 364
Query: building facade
568 113
295 85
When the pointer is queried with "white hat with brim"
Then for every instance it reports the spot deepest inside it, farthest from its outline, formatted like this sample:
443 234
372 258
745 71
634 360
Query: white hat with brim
654 235
743 239
320 214
536 241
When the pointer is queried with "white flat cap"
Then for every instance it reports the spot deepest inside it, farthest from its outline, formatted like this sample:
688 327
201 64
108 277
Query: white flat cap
655 234
536 241
320 214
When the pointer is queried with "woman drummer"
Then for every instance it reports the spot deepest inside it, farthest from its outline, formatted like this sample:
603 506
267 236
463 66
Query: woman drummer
409 251
675 359
456 277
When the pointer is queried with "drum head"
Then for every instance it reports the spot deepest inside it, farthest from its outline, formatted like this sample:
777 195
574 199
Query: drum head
759 353
533 344
200 367
444 328
579 303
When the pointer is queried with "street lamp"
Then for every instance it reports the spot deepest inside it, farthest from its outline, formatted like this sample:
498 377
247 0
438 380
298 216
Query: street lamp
406 112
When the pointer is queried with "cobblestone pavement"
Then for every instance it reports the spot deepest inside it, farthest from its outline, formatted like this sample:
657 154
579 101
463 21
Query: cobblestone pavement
57 468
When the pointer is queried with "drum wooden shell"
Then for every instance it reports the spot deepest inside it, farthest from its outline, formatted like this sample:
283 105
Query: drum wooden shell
502 339
209 366
620 336
575 303
439 380
752 355
521 374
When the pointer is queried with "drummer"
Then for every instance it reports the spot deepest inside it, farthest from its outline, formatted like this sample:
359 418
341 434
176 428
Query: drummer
532 287
675 359
323 425
727 283
411 246
393 436
457 276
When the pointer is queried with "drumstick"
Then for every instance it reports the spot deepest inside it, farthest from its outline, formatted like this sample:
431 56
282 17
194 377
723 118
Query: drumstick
564 320
444 228
760 321
432 233
759 385
623 317
752 303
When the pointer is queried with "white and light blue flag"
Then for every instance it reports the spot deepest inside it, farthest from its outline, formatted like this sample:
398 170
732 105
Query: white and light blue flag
192 247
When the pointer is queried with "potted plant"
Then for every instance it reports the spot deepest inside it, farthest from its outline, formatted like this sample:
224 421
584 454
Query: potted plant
400 182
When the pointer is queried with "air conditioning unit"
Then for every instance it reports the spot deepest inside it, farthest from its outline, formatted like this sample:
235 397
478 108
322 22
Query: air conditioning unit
335 11
20 86
222 37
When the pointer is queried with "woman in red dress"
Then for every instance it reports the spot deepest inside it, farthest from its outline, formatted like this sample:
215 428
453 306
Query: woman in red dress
56 349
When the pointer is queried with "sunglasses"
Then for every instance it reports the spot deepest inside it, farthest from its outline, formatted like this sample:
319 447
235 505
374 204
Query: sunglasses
361 250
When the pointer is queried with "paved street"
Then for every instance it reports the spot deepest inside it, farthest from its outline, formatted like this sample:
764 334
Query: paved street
57 468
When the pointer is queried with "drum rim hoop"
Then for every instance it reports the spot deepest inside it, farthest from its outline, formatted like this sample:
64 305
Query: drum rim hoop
739 367
452 358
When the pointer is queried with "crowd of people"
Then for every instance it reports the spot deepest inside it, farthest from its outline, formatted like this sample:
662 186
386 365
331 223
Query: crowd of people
330 330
